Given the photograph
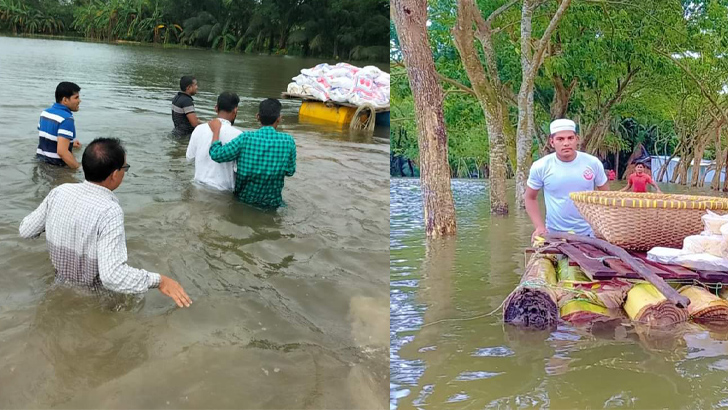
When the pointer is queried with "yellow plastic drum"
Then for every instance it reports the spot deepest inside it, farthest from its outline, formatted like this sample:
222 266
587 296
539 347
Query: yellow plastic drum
318 110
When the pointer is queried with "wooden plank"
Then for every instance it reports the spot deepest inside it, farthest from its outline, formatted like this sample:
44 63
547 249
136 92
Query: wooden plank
621 270
626 271
675 271
594 269
713 276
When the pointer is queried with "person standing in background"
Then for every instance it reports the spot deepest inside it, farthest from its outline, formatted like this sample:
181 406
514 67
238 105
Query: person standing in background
57 128
183 107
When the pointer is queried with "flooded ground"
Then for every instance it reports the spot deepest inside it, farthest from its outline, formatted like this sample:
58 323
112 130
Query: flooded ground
447 352
289 307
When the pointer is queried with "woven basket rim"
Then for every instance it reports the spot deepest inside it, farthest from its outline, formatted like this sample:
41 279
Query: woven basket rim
649 200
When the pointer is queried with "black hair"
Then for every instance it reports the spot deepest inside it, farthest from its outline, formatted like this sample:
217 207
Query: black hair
101 158
269 111
66 89
185 82
636 162
227 101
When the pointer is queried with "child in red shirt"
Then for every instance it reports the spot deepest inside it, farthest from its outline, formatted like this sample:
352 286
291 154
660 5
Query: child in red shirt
638 181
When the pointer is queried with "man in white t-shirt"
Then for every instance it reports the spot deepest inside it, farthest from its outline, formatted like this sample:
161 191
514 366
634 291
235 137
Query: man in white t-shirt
208 172
559 174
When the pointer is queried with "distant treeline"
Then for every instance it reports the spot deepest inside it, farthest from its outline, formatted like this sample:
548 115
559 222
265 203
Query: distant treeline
338 29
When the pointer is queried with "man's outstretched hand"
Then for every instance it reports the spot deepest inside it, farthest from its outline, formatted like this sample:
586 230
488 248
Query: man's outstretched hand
539 232
171 288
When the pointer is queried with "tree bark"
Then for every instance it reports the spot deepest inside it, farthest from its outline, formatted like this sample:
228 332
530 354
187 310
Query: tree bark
530 64
725 181
562 95
592 138
697 159
719 159
410 18
486 90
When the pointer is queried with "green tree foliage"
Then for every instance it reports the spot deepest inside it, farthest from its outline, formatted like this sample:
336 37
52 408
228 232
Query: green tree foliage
645 72
339 29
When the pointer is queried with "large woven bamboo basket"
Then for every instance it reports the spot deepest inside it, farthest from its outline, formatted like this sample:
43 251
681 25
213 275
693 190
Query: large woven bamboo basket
641 221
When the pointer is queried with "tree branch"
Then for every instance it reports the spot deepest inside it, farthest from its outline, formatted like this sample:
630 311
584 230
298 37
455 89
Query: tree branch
694 78
484 33
608 106
457 84
538 56
498 12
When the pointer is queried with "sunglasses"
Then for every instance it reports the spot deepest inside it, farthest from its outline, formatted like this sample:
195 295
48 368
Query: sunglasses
126 167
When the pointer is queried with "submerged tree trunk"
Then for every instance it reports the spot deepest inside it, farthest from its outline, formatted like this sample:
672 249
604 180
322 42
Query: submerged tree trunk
530 63
487 91
725 181
697 159
410 18
719 159
562 95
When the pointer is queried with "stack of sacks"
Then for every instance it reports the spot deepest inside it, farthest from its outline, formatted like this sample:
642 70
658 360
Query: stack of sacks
343 83
713 240
707 251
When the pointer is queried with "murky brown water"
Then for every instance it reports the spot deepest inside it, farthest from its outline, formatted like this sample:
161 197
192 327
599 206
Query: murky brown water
446 353
289 307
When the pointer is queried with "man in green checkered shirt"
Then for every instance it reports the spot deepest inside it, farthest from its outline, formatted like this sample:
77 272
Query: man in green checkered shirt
264 157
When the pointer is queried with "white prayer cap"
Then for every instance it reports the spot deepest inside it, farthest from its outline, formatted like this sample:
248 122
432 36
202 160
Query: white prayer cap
562 125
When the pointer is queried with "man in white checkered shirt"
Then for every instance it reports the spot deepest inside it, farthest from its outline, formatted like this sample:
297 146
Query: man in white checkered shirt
84 227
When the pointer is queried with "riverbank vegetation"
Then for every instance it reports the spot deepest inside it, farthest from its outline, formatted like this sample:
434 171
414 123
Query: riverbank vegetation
631 74
338 29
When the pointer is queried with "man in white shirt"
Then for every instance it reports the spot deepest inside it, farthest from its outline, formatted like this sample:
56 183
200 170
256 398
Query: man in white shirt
208 172
84 226
559 174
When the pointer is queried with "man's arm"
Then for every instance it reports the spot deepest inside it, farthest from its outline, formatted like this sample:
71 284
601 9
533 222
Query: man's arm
291 166
227 152
601 181
192 118
65 154
629 185
534 212
34 224
114 272
652 182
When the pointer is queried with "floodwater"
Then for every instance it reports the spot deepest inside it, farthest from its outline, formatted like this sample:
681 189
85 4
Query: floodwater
289 307
449 352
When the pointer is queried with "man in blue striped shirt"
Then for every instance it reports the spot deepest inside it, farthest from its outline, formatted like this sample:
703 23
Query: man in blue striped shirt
56 128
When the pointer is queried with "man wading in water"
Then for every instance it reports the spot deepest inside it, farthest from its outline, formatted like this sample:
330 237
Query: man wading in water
638 180
264 157
559 174
183 107
84 227
57 128
207 171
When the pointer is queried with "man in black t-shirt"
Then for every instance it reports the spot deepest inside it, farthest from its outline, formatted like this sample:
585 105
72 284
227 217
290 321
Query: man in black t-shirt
183 107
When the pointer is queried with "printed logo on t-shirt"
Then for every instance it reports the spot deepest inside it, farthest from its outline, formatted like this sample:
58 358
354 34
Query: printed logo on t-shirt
588 174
